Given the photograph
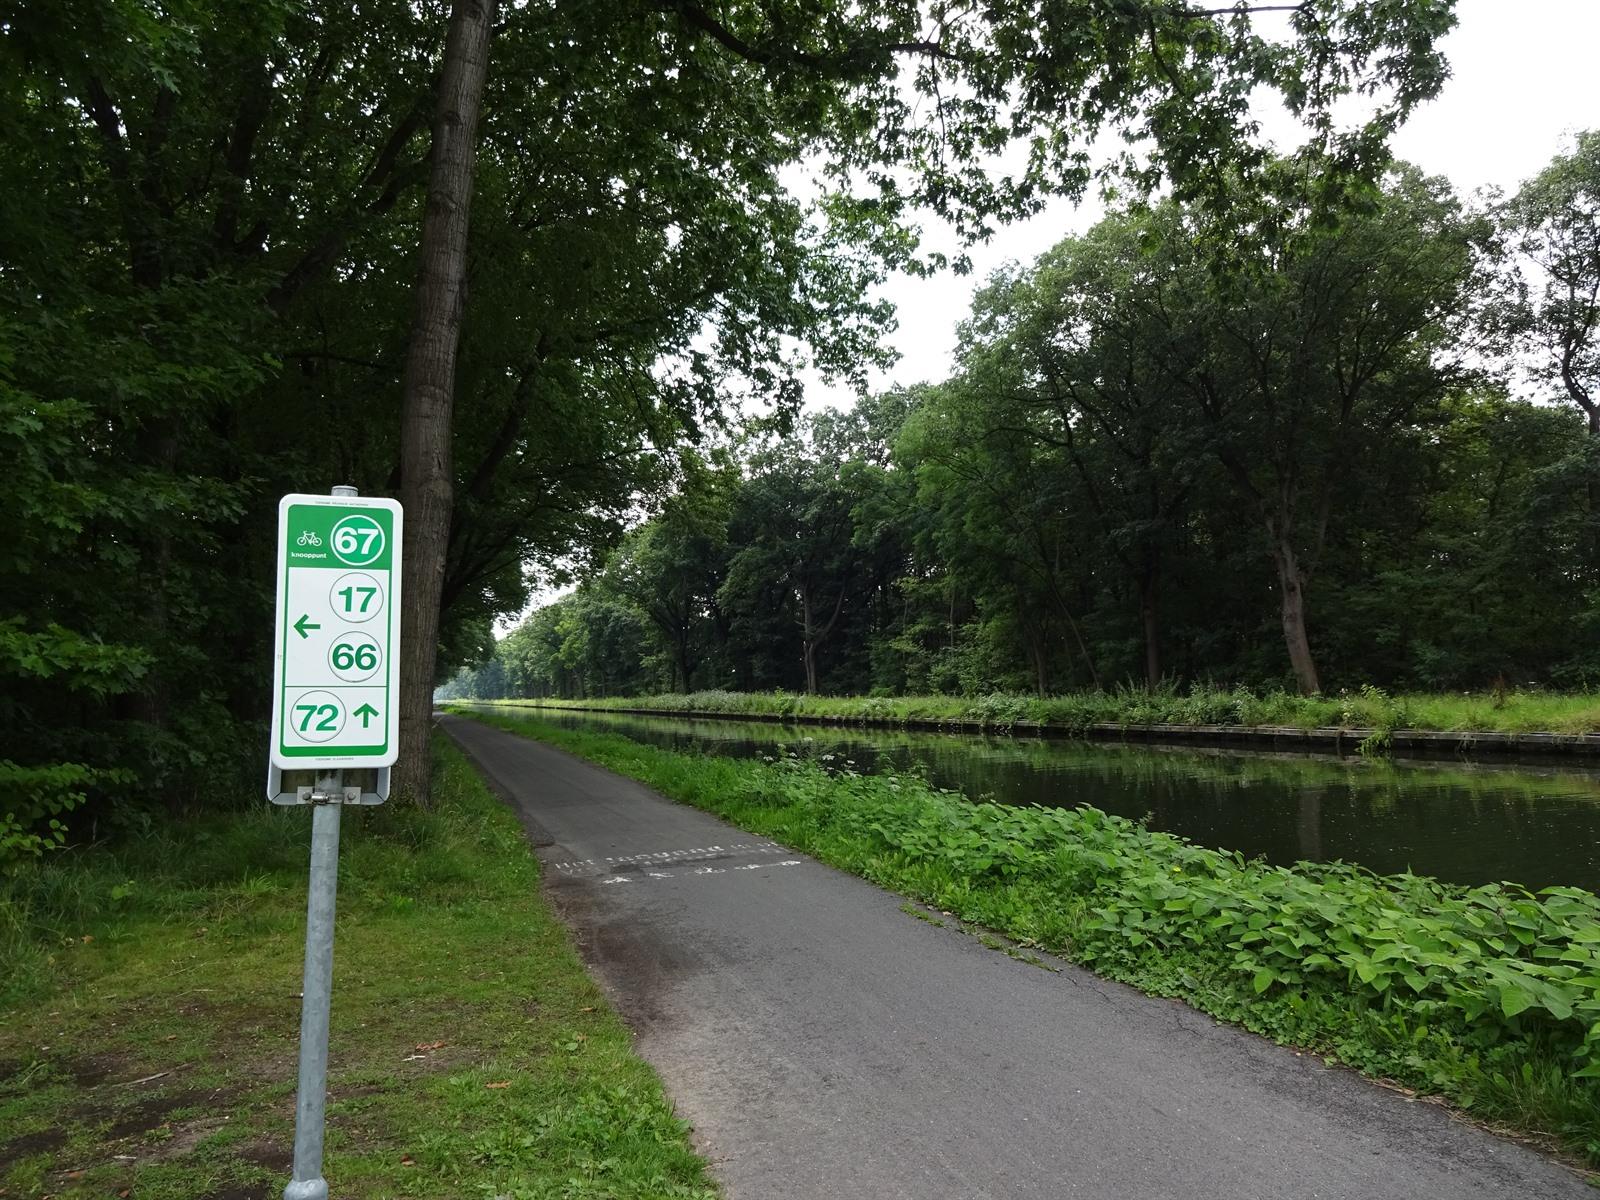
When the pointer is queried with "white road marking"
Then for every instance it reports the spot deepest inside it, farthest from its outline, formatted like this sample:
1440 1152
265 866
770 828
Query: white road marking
667 857
698 871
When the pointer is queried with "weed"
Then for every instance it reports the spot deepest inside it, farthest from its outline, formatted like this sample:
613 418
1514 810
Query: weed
911 910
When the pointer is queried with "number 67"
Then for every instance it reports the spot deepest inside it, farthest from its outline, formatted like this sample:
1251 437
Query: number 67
353 540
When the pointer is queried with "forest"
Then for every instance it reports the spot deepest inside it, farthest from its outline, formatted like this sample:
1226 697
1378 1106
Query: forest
1363 454
237 262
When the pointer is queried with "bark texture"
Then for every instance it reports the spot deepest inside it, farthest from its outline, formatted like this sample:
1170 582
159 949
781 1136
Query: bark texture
1150 619
811 636
1292 597
429 386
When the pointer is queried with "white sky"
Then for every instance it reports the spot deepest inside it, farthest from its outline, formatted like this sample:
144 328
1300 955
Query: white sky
1525 74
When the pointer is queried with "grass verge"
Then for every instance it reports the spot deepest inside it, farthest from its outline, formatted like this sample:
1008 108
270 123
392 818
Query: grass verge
1488 996
1369 708
149 1019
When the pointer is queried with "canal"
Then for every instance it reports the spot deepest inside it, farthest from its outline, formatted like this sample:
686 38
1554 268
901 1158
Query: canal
1464 822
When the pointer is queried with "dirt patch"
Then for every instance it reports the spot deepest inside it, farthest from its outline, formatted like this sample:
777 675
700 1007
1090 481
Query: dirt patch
93 1070
243 1191
246 1016
154 1111
172 1140
149 1114
41 1142
268 1154
186 1136
451 1058
338 1095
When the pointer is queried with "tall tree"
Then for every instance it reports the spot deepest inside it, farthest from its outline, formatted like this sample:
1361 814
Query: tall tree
1317 344
1004 528
428 390
214 219
670 569
1068 364
1553 227
1179 76
794 525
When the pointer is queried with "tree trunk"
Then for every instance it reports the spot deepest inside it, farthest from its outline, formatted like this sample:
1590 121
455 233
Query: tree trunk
808 642
814 637
683 665
429 387
1149 615
1291 591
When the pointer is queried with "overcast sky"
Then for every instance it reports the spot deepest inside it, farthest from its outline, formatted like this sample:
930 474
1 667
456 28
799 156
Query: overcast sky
1524 76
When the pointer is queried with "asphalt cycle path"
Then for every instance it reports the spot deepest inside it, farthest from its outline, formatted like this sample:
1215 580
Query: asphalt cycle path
826 1044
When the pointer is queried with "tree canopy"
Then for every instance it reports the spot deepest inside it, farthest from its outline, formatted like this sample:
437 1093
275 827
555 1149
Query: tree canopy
1295 473
210 259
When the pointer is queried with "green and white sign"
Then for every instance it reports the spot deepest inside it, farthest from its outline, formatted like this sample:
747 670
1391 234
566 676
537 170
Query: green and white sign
335 696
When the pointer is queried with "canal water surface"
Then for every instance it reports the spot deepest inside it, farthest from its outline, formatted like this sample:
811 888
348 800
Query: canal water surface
1465 822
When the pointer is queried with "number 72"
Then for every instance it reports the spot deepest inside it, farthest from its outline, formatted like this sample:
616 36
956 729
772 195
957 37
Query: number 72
328 712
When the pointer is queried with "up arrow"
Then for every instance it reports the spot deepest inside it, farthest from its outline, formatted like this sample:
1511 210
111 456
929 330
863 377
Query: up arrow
366 712
304 623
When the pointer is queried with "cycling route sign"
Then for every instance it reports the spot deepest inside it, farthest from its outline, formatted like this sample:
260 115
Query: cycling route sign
336 682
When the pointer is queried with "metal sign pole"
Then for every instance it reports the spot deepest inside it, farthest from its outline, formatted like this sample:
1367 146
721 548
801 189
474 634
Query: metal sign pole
311 1101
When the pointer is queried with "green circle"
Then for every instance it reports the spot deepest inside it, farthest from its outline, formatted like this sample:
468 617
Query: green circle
356 597
357 540
316 716
359 650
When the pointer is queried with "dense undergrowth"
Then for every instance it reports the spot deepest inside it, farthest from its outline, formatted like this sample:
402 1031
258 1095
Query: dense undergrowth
1367 709
1489 996
149 1016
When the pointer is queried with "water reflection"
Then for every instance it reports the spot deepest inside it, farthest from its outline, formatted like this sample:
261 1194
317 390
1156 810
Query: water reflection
1465 822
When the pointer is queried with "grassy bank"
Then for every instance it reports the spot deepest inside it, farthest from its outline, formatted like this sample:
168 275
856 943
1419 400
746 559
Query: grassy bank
1488 996
149 1019
1370 708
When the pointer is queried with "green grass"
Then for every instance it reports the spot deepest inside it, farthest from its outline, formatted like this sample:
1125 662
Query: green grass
1487 996
470 1053
1368 708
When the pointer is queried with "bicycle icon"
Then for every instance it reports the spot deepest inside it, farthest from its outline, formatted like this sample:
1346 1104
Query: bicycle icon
308 538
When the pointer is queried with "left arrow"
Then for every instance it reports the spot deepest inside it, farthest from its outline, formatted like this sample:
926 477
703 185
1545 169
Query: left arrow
304 623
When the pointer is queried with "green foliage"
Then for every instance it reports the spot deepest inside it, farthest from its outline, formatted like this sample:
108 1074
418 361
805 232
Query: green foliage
207 287
32 799
1489 996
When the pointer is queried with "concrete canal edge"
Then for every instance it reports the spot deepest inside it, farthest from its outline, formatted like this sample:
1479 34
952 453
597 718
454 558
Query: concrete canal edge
1422 743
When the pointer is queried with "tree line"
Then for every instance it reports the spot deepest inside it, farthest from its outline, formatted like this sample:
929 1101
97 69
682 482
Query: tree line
1361 452
503 260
